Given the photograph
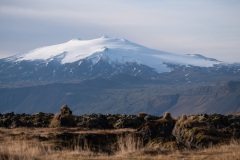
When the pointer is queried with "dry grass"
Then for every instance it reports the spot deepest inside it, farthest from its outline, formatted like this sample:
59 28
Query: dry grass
28 150
130 147
22 150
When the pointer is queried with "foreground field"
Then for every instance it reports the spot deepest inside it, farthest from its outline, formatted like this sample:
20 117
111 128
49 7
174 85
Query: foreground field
36 143
98 136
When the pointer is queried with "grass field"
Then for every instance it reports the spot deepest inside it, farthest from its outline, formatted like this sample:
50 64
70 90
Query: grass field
22 144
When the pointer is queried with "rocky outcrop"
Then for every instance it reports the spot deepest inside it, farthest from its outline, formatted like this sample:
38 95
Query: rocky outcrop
66 119
63 119
12 120
161 128
93 121
113 121
204 130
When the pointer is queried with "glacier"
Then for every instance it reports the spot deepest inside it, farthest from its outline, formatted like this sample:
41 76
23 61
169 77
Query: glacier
113 50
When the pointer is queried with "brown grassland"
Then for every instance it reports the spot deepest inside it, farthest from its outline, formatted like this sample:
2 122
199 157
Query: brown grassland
22 144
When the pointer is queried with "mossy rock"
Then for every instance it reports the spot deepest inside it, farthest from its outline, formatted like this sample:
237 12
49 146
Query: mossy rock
63 119
203 130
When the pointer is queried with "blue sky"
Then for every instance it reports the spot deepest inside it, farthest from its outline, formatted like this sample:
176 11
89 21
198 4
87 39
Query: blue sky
207 27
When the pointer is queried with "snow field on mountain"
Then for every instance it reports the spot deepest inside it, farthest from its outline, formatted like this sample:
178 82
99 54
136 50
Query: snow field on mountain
113 50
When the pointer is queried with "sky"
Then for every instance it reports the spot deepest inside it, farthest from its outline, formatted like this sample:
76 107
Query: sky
207 27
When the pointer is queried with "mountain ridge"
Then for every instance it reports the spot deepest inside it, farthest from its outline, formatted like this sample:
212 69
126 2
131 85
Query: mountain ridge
123 97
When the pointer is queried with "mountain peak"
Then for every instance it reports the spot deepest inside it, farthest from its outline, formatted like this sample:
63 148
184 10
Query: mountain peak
119 51
105 36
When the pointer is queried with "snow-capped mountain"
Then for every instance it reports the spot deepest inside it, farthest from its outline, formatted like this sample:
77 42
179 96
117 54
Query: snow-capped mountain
101 57
112 50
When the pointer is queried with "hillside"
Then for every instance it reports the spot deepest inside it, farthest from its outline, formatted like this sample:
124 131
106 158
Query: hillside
124 98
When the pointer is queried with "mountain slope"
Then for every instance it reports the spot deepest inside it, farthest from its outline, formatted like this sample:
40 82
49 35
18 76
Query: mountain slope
222 99
123 97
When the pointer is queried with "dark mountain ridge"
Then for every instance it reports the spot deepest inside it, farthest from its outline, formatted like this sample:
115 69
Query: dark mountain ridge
109 96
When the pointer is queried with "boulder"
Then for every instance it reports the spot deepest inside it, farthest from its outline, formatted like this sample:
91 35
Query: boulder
63 119
128 121
160 128
94 121
204 130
